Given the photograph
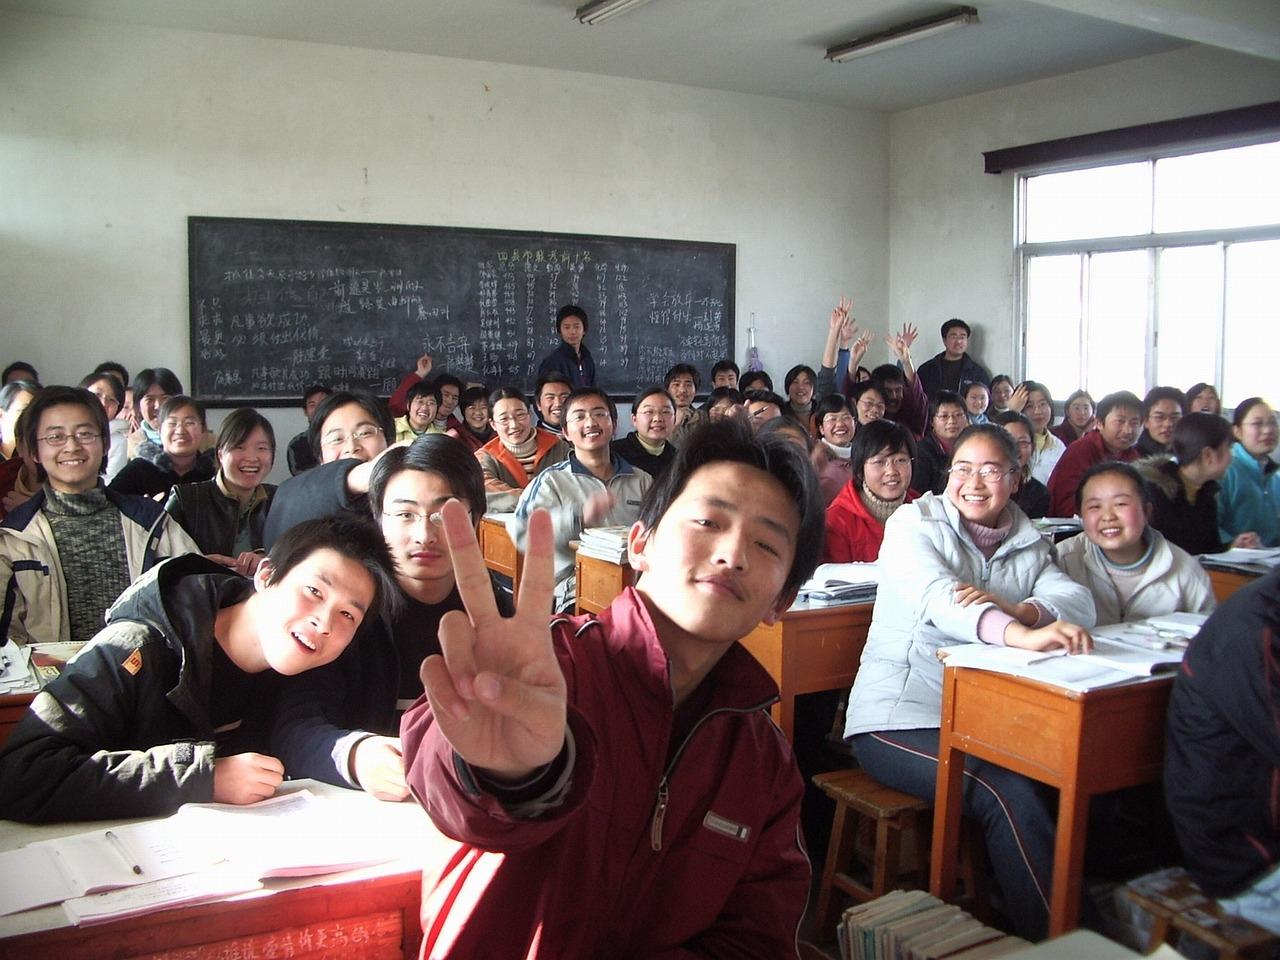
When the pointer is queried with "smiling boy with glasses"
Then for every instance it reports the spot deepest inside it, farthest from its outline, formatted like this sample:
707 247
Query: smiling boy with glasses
69 551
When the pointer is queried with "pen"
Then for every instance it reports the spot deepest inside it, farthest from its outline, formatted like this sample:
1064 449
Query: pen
123 851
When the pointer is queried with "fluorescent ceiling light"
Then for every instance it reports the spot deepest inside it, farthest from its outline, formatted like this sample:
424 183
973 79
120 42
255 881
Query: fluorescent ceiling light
598 11
903 33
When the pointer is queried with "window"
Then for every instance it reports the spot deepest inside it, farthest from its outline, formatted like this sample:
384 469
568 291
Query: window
1160 271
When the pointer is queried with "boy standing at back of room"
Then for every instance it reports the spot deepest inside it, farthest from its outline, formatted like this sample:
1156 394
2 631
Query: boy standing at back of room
163 706
636 743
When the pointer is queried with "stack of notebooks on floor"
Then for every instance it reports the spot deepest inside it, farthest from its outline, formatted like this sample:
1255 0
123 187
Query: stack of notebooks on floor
913 925
604 543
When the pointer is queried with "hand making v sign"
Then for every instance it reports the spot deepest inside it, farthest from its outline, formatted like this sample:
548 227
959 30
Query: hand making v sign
497 693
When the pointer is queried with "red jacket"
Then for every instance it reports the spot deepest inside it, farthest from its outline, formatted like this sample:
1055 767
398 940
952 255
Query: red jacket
720 873
853 534
1079 457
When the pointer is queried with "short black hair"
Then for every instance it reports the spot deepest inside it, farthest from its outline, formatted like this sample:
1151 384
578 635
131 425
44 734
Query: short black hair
1001 378
865 386
177 403
572 310
241 422
969 385
722 393
348 536
432 453
1198 388
12 390
873 437
1007 417
1157 394
117 370
162 377
725 366
831 403
375 408
117 387
732 441
57 396
1077 395
470 395
886 372
1125 470
649 391
794 372
507 392
1243 408
1197 432
311 389
580 392
423 388
746 380
553 376
955 322
944 398
1120 399
20 365
790 428
682 369
448 380
992 431
765 396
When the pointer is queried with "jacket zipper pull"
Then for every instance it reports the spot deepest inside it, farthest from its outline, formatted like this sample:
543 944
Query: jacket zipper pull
659 811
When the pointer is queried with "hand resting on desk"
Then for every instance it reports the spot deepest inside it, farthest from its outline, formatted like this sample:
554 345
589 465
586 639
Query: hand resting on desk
246 778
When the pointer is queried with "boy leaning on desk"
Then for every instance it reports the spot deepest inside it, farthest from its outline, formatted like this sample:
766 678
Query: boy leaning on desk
613 783
163 706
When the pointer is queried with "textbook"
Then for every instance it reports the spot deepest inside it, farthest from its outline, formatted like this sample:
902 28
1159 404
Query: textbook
293 835
841 583
1243 559
604 543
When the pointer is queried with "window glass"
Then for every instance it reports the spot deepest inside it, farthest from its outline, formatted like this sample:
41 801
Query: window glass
1188 305
1217 190
1117 322
1112 201
1053 323
1251 355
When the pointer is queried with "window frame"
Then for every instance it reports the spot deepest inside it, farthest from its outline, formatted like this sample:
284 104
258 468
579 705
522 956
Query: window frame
1151 242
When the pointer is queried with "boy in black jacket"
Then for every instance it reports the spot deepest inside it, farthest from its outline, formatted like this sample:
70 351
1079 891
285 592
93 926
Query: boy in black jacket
163 706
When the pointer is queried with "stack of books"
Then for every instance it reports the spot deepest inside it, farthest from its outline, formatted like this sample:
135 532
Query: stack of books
912 925
604 543
1243 560
841 583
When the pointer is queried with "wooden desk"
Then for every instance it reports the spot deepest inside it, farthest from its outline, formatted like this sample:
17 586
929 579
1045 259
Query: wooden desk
599 582
1081 743
499 551
810 649
369 914
12 708
1227 582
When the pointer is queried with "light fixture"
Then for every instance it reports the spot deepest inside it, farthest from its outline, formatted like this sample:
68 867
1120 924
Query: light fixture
903 33
597 11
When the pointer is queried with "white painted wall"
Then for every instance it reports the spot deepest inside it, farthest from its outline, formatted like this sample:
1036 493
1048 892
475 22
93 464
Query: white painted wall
112 135
951 226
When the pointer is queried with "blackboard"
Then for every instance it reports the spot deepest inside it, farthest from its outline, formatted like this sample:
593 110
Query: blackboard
280 304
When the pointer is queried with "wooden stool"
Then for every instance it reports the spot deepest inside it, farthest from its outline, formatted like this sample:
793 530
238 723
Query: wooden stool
896 816
1178 906
858 794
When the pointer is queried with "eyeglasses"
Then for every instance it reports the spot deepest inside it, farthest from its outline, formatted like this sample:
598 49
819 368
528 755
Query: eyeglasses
949 417
898 463
870 405
1164 418
83 437
509 418
580 416
187 423
358 435
411 518
988 471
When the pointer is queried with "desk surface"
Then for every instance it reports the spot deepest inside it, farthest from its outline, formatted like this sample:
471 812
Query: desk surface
376 905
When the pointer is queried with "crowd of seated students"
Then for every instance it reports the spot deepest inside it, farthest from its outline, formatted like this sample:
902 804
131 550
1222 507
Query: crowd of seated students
935 472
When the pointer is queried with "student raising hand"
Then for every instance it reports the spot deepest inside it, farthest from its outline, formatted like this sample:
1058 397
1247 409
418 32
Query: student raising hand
497 692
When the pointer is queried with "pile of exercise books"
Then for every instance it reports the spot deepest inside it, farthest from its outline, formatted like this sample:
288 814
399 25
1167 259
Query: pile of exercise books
1243 560
912 925
841 583
604 543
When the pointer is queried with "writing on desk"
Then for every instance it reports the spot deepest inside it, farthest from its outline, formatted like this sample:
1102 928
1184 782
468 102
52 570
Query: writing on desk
333 940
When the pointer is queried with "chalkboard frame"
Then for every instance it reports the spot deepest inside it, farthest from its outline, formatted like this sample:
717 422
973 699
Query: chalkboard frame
194 223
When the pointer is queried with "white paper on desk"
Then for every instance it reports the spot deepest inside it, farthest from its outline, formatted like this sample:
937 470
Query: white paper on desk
1072 673
145 898
55 870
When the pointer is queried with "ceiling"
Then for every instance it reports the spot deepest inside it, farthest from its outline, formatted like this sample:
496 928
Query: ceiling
767 47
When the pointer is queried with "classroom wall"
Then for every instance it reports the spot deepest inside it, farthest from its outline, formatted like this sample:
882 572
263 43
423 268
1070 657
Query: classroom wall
951 226
113 134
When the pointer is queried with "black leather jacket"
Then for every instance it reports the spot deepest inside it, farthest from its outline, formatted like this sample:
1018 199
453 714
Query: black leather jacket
210 516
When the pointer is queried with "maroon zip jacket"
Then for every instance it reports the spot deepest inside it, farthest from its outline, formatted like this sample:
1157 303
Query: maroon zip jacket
696 856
